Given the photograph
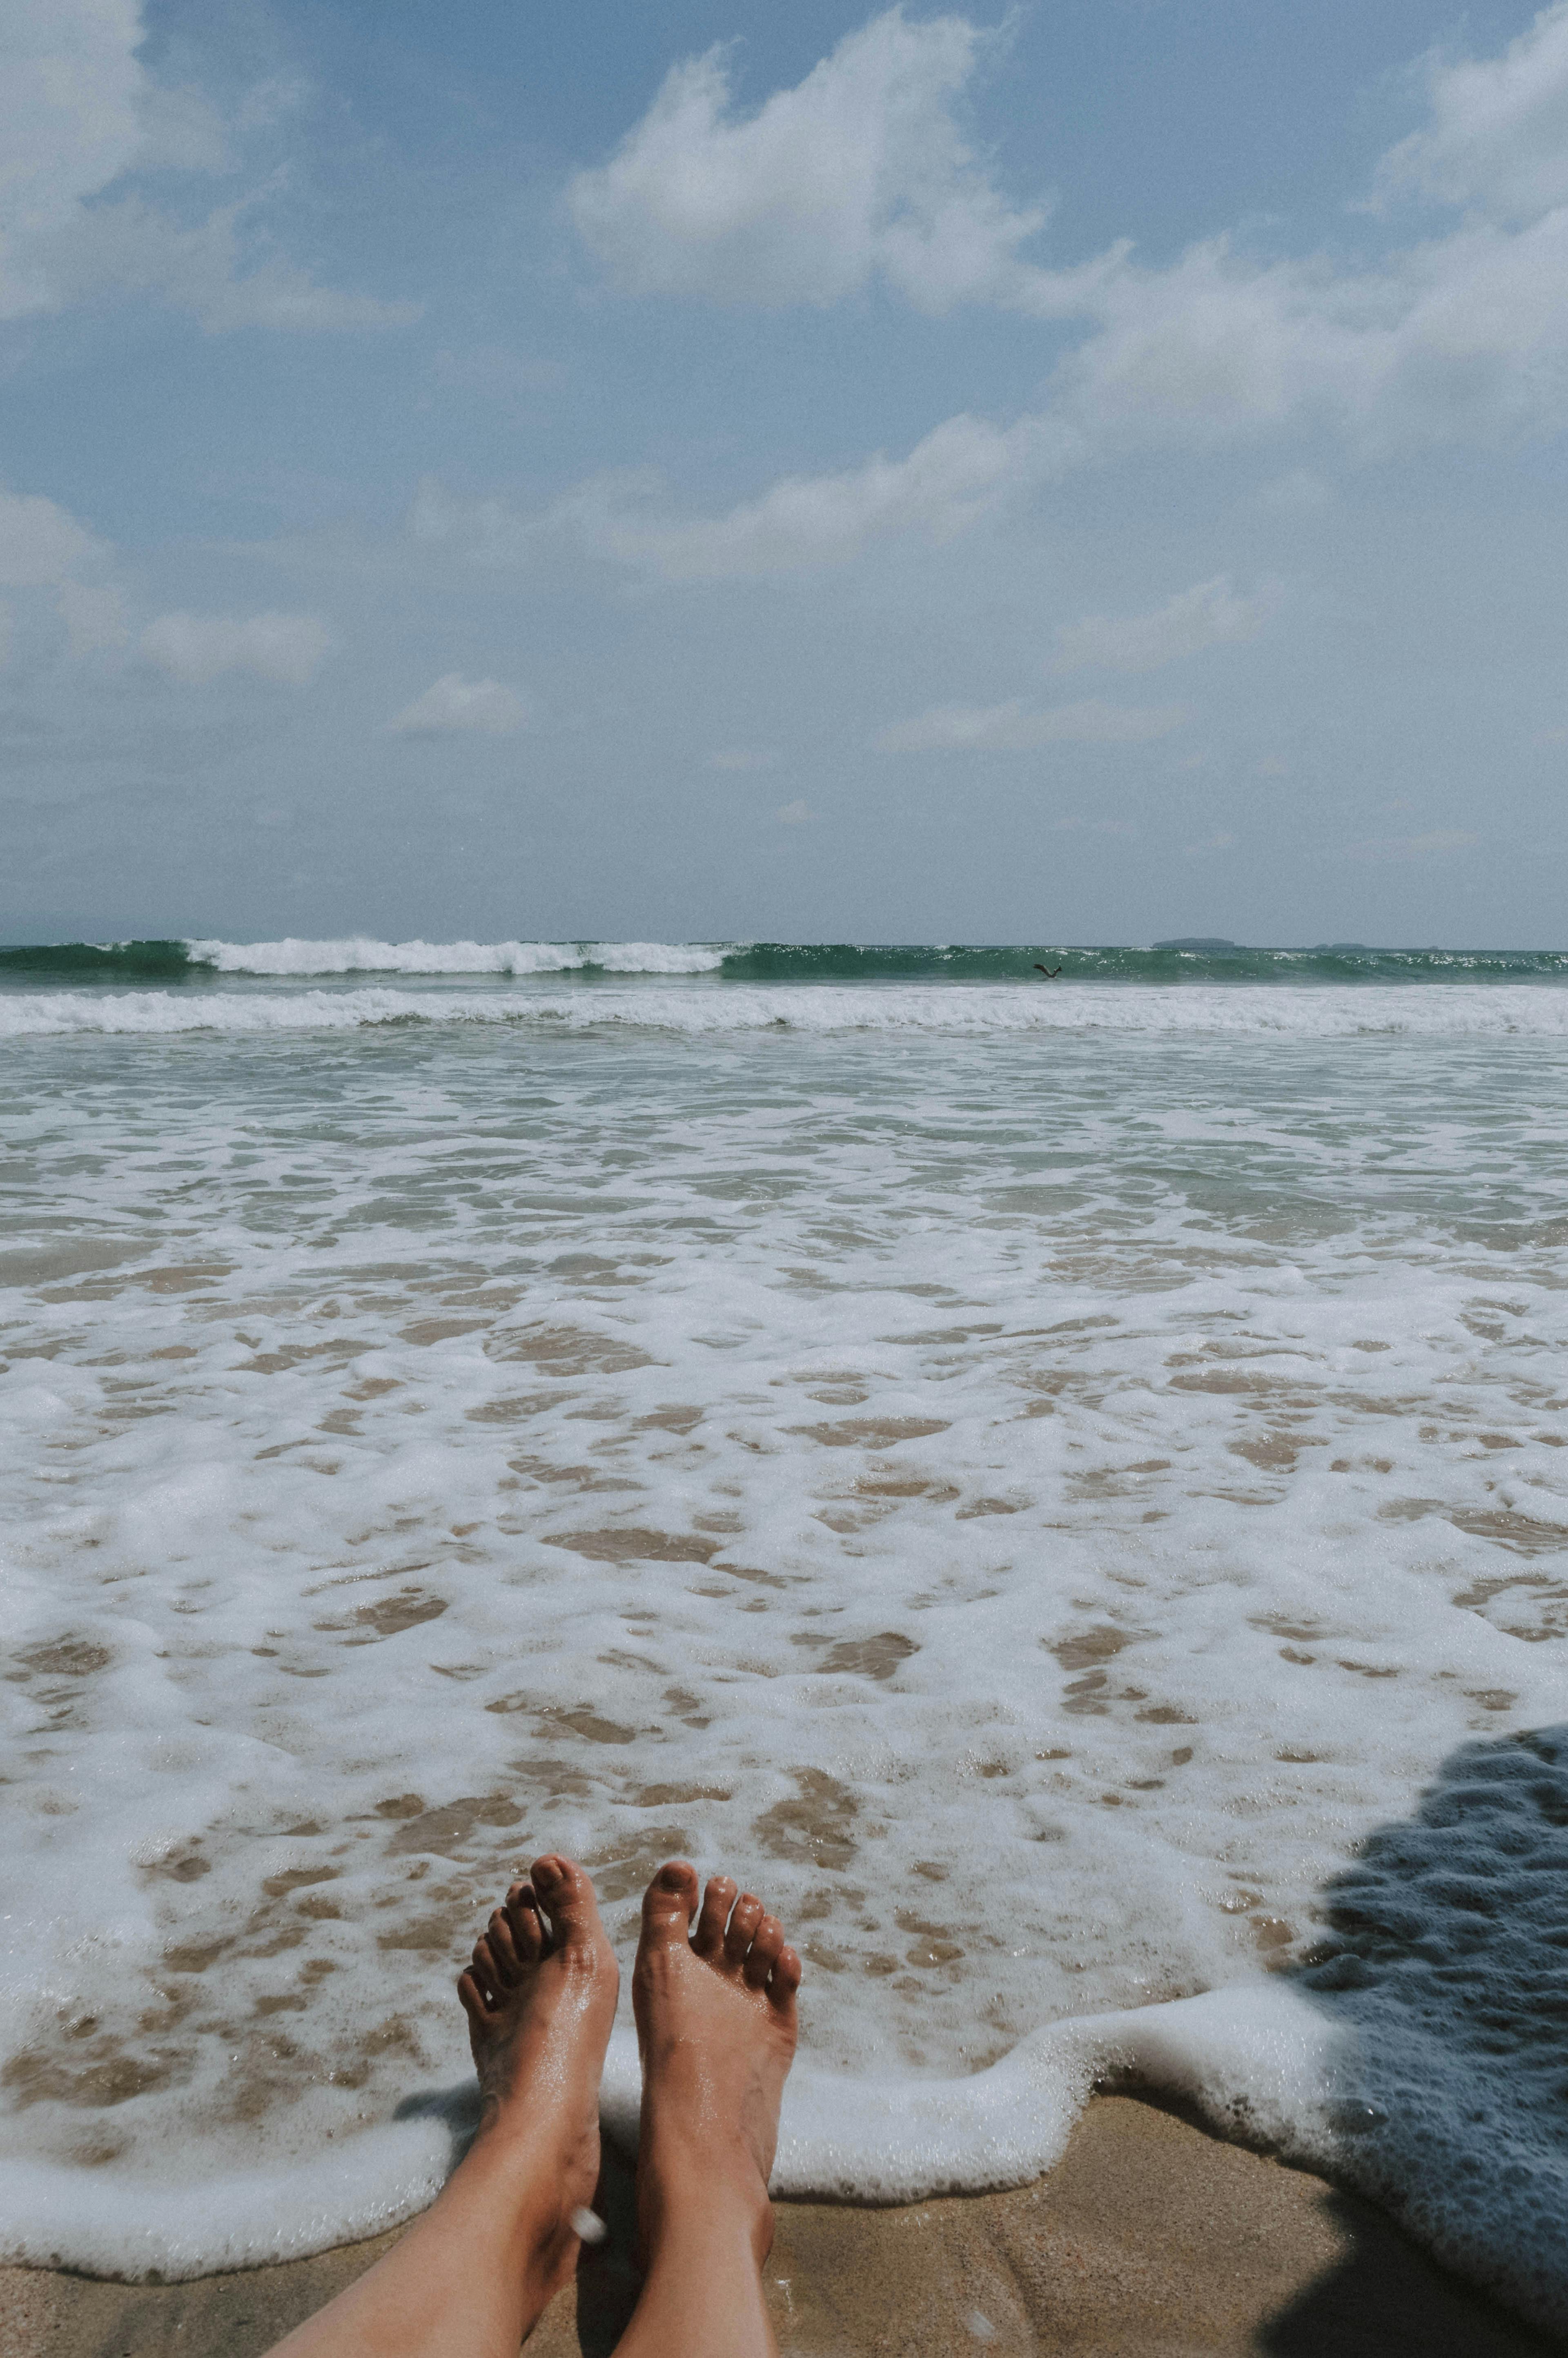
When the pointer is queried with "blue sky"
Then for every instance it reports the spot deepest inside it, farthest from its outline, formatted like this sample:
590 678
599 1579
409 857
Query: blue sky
1086 473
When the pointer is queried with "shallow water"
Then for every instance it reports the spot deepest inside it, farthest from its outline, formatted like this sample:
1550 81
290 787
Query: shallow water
1028 1478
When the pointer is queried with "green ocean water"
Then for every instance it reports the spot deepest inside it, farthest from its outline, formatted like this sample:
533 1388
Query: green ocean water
198 962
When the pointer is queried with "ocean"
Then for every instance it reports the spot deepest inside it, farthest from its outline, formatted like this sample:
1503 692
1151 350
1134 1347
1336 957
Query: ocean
1059 1483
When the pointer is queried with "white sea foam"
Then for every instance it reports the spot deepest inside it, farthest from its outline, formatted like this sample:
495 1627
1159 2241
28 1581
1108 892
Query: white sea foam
904 1468
360 955
1261 2061
1261 2053
1416 1011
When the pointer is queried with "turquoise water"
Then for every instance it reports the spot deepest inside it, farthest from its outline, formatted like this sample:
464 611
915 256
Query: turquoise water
198 962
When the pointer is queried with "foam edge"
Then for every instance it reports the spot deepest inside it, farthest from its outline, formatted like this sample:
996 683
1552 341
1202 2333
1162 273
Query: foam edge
1258 2057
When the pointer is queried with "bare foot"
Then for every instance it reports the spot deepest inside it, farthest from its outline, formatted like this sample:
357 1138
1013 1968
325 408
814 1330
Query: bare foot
475 2271
540 1998
715 2023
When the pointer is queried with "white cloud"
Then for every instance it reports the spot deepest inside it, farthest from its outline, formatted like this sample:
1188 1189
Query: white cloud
1013 728
860 170
128 247
1465 335
41 544
797 814
949 478
196 648
1211 613
485 530
78 112
454 703
69 124
43 547
1499 134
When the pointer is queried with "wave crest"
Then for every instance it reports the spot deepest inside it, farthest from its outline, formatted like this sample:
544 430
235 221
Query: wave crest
1231 964
360 954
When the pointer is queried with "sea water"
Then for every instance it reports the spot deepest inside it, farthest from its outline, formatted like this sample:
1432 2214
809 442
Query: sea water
1059 1484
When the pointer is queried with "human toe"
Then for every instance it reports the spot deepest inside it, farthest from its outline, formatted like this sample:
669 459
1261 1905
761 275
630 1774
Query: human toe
504 1949
471 1997
487 1972
744 1919
669 1903
762 1954
717 1902
784 1979
528 1932
566 1897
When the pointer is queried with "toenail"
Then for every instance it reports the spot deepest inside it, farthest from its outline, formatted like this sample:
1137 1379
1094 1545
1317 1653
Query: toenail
672 1879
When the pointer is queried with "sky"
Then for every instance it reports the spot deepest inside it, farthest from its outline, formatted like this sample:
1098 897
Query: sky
1086 473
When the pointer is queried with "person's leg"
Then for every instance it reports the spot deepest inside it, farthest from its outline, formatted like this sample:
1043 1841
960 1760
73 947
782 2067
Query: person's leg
471 2275
716 2027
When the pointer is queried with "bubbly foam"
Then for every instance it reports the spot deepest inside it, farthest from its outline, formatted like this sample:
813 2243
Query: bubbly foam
1032 1504
976 1011
359 955
1258 2054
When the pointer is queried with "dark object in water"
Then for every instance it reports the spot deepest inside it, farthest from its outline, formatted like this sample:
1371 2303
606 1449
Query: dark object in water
1049 972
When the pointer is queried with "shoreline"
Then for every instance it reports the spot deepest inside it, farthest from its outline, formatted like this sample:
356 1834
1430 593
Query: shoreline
1151 2237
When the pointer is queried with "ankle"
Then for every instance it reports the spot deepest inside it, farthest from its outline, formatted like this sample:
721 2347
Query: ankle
543 2183
687 2194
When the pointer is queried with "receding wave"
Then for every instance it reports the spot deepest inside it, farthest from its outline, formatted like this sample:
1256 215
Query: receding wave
197 959
1263 1010
1385 2096
1261 2051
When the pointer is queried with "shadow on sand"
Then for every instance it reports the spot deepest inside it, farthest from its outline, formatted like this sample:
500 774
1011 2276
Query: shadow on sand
1445 1962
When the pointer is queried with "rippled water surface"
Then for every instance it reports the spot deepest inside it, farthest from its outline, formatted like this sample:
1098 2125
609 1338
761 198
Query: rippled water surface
1027 1500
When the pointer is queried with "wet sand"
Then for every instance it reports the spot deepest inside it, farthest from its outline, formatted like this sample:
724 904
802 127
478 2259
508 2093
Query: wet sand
1150 2238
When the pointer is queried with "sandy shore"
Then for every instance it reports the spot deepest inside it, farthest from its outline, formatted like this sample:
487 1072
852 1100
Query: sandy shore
1150 2238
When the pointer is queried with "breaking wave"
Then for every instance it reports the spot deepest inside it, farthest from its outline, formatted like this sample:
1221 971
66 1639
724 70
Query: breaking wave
194 960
